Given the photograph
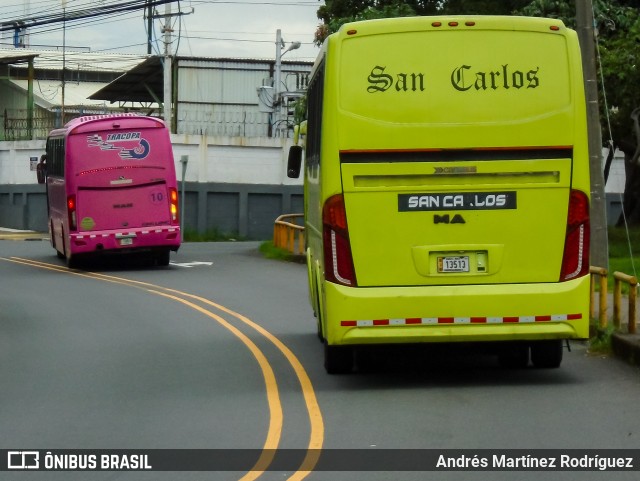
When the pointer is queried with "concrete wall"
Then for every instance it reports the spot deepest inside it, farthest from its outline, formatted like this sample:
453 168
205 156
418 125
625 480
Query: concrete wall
237 186
238 210
233 160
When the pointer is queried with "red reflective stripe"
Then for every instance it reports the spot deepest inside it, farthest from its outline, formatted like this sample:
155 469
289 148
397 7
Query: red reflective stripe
452 320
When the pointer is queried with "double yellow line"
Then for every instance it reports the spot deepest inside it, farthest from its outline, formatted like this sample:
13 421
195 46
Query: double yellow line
274 432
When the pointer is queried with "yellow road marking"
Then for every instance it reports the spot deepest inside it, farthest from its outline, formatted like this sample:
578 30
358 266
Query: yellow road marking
273 398
316 437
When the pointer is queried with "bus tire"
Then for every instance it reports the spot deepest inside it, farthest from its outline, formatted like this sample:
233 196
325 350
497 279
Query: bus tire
318 316
514 356
547 354
163 257
72 262
52 240
338 359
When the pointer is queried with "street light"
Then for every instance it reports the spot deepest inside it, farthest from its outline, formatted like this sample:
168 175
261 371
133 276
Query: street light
277 74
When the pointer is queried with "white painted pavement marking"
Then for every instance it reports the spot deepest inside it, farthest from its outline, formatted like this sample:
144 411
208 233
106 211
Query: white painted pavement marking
190 264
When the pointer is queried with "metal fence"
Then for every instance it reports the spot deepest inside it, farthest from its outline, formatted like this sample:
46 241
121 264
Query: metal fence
17 125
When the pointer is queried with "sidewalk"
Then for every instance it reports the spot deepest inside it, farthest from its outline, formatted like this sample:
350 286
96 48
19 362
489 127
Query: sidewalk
625 346
15 234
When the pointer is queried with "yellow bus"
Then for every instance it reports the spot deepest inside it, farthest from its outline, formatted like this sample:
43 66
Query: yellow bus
446 187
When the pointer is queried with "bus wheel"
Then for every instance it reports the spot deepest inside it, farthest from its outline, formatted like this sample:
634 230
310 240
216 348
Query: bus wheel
163 257
318 318
547 354
319 330
52 239
54 244
338 359
514 356
72 262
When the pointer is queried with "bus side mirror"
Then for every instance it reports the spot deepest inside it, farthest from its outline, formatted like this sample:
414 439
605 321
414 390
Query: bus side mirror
295 161
41 172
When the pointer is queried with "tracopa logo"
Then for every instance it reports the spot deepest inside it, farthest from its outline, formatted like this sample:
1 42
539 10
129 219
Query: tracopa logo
23 460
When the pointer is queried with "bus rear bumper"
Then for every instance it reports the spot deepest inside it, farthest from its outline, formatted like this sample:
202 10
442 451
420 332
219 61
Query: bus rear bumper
520 312
134 239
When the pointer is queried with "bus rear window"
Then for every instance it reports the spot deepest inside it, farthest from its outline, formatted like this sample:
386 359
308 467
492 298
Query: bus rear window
96 150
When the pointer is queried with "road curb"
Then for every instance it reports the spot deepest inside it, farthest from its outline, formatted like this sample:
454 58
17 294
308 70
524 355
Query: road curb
626 347
22 235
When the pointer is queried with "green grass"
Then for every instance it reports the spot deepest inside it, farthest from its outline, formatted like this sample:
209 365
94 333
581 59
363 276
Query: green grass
601 342
620 259
270 251
211 235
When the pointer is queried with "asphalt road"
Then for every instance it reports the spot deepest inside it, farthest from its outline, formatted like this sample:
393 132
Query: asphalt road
218 351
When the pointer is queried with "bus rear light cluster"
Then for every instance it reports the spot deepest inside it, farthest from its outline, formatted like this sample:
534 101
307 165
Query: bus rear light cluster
575 261
173 205
338 260
71 210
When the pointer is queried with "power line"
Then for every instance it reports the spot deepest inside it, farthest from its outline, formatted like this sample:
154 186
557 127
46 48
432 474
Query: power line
81 17
75 15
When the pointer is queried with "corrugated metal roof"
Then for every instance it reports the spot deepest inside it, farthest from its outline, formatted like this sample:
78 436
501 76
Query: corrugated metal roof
13 57
143 83
48 93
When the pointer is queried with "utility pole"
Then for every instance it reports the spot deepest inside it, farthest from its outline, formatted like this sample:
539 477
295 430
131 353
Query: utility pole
599 242
64 57
168 96
149 26
168 71
277 80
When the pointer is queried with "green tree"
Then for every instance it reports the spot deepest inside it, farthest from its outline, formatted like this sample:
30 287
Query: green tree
482 7
336 13
620 68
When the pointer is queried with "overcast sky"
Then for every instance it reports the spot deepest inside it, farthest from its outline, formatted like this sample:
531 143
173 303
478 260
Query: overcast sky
224 28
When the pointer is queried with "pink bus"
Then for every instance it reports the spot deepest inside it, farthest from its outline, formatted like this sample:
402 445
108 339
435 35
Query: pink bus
111 188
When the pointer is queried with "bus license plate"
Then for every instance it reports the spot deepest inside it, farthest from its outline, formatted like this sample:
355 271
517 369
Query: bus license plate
453 264
126 241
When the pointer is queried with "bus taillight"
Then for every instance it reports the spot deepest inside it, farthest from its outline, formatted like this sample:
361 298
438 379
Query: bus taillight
173 205
338 260
71 210
575 261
